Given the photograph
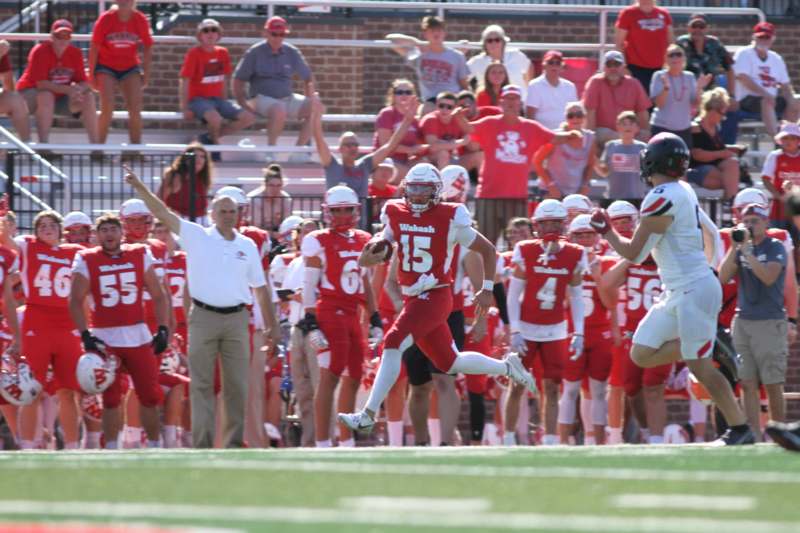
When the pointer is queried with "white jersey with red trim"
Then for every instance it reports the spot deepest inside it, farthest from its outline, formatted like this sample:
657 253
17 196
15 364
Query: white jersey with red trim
679 251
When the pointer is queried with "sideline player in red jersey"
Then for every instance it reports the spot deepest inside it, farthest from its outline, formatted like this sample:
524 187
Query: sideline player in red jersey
332 270
547 270
116 276
426 231
9 265
601 331
48 336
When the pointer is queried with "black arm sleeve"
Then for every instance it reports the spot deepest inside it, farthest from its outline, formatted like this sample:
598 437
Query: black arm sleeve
499 291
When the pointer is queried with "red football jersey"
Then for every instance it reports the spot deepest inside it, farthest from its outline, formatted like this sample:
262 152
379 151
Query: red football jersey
424 240
176 276
548 276
261 238
342 280
595 314
117 284
9 263
642 287
159 251
47 279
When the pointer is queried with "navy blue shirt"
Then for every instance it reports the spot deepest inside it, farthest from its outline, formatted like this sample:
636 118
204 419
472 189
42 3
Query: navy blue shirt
757 301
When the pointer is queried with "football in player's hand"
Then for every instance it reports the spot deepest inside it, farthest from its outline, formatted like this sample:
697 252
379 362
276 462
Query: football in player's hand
381 246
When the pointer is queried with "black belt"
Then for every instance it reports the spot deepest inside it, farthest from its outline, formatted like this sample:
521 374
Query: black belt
220 310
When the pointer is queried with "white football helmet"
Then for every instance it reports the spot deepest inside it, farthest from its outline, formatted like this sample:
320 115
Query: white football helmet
621 208
76 218
549 210
581 223
455 184
577 204
675 434
289 224
170 361
337 197
423 187
133 207
96 374
17 384
234 193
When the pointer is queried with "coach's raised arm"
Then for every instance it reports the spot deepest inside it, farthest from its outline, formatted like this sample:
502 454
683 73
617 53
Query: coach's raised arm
223 266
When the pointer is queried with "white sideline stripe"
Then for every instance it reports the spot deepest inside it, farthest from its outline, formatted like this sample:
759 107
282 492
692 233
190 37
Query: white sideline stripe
625 474
310 515
402 503
694 502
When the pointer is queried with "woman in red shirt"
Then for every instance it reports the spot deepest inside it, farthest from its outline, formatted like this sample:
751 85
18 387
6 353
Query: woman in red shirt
494 79
114 60
643 32
175 189
411 149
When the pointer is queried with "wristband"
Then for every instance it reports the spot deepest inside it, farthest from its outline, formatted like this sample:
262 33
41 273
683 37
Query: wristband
488 285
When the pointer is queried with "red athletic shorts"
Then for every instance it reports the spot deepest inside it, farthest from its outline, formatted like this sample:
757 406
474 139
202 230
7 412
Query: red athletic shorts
424 319
347 345
551 356
142 365
595 360
636 377
58 347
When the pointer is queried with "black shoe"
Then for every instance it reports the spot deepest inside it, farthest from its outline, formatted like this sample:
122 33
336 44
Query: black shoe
785 435
205 139
736 437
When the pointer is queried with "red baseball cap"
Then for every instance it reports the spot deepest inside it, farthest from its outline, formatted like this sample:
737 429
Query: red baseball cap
552 54
61 25
764 29
277 25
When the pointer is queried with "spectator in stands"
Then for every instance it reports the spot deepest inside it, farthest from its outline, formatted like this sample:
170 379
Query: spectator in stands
175 189
114 61
439 68
55 81
675 92
566 168
610 93
401 94
549 94
495 50
268 68
495 77
760 327
620 162
508 142
781 171
446 137
763 85
270 204
352 170
380 183
11 102
714 165
466 101
203 88
643 32
705 54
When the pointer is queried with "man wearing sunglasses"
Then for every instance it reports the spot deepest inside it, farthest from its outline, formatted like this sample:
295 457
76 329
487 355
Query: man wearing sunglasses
267 68
763 84
705 54
203 91
549 94
446 136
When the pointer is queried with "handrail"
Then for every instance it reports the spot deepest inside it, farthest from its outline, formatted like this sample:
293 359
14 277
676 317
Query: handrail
25 192
27 13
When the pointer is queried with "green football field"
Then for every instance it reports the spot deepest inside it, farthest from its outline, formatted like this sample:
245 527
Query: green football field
637 489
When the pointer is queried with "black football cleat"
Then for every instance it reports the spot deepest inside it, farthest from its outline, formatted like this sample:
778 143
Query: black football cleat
736 437
785 435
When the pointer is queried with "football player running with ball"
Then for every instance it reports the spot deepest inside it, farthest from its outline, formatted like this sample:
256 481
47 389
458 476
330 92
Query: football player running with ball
426 230
683 324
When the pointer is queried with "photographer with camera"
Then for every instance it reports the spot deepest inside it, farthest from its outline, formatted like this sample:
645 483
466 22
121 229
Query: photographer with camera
760 326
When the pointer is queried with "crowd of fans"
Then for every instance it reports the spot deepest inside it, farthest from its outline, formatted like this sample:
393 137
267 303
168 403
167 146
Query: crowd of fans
488 121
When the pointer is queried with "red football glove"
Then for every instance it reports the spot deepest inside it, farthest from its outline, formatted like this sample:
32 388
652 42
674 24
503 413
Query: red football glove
600 221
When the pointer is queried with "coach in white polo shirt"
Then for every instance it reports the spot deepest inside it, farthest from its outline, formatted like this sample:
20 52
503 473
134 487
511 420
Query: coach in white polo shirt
224 271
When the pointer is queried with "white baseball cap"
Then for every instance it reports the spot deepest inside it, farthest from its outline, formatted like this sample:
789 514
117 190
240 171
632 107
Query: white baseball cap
133 207
77 218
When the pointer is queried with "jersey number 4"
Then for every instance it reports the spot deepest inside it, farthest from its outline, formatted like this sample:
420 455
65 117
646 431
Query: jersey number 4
47 284
416 253
116 288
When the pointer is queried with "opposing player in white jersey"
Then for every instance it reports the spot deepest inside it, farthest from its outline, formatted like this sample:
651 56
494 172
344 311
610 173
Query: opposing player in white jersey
683 324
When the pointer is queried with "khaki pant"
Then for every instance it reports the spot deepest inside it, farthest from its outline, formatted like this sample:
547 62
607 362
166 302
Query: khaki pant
764 348
305 378
210 335
492 214
254 432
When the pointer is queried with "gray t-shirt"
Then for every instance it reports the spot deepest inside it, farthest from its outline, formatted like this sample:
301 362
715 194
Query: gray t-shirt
566 163
623 162
269 73
357 177
756 301
439 71
676 113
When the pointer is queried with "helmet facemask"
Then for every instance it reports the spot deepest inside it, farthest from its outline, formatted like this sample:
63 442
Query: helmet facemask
422 196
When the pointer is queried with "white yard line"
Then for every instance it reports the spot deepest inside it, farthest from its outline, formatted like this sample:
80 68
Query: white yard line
403 503
111 461
306 515
694 502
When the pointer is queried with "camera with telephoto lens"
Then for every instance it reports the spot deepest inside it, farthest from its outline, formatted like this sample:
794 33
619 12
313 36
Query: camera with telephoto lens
740 234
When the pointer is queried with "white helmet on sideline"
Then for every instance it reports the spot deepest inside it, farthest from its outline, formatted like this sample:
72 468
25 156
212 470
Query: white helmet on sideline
94 373
621 208
18 386
455 184
341 196
289 224
76 218
549 209
577 204
581 223
422 182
